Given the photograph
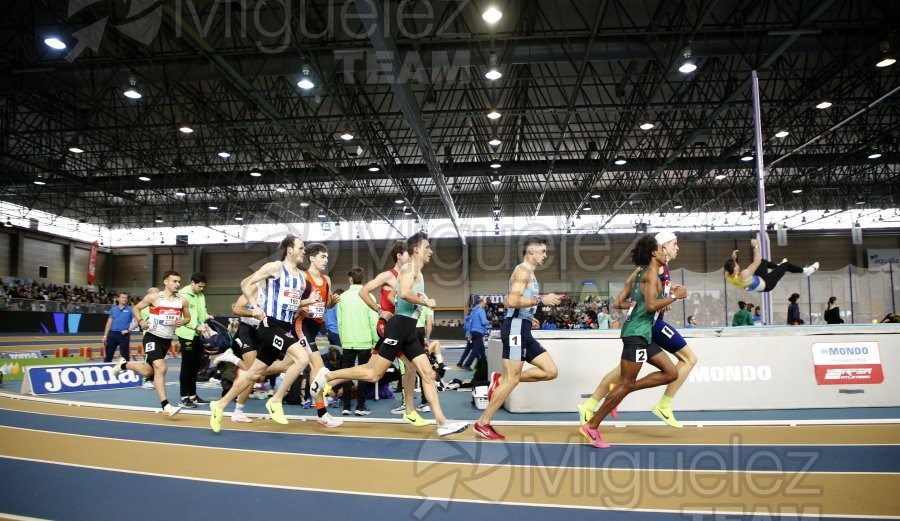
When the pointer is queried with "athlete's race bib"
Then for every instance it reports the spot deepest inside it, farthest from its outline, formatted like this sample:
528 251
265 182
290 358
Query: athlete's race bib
291 299
166 319
317 310
515 340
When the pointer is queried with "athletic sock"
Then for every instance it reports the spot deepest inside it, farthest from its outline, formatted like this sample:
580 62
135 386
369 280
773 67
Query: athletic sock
665 402
591 403
238 408
123 364
164 403
320 409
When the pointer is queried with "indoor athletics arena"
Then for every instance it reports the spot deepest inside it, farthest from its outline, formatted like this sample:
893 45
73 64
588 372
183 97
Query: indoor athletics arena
430 259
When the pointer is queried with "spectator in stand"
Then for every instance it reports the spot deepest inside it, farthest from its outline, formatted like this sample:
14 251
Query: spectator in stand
117 333
189 338
757 316
742 317
549 325
691 322
331 323
793 312
832 313
358 330
603 318
478 325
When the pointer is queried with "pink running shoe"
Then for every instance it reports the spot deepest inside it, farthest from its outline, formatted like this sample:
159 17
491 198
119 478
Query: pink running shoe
593 436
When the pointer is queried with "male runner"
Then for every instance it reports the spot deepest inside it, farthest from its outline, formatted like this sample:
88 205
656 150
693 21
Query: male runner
400 337
386 284
637 333
664 335
515 333
310 318
283 285
167 311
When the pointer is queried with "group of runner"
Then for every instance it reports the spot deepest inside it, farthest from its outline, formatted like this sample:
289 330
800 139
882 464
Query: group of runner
281 309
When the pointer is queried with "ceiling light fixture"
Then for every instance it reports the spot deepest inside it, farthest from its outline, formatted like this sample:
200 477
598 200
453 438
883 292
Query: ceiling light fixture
373 167
304 204
398 201
620 161
769 205
874 154
782 133
492 15
494 114
224 155
8 223
887 58
347 135
495 164
144 178
238 217
185 129
493 72
687 64
494 142
180 194
255 174
647 125
824 104
40 182
75 150
305 82
797 191
720 176
54 43
131 91
595 195
281 189
158 219
677 207
213 208
495 180
747 157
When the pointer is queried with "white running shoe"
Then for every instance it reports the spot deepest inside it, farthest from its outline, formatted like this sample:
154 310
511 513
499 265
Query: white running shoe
451 427
423 407
319 383
400 409
240 417
783 261
227 356
329 421
171 410
148 384
809 270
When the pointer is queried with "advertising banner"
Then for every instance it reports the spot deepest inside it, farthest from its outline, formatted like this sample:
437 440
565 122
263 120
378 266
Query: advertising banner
21 354
92 263
847 362
14 369
75 378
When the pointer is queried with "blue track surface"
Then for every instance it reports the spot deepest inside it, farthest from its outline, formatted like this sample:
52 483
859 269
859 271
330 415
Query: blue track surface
864 458
89 494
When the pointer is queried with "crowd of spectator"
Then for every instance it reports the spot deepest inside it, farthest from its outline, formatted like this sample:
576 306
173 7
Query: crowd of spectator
590 313
18 294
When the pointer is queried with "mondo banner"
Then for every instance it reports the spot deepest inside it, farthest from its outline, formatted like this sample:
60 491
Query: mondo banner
74 378
847 363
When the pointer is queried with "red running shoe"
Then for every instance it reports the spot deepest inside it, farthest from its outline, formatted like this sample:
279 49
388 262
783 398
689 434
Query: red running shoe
487 432
495 381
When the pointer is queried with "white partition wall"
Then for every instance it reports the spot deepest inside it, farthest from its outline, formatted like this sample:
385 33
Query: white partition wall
740 369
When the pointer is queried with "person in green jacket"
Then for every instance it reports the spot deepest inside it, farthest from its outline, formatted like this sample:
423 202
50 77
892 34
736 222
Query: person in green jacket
191 350
743 316
357 328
